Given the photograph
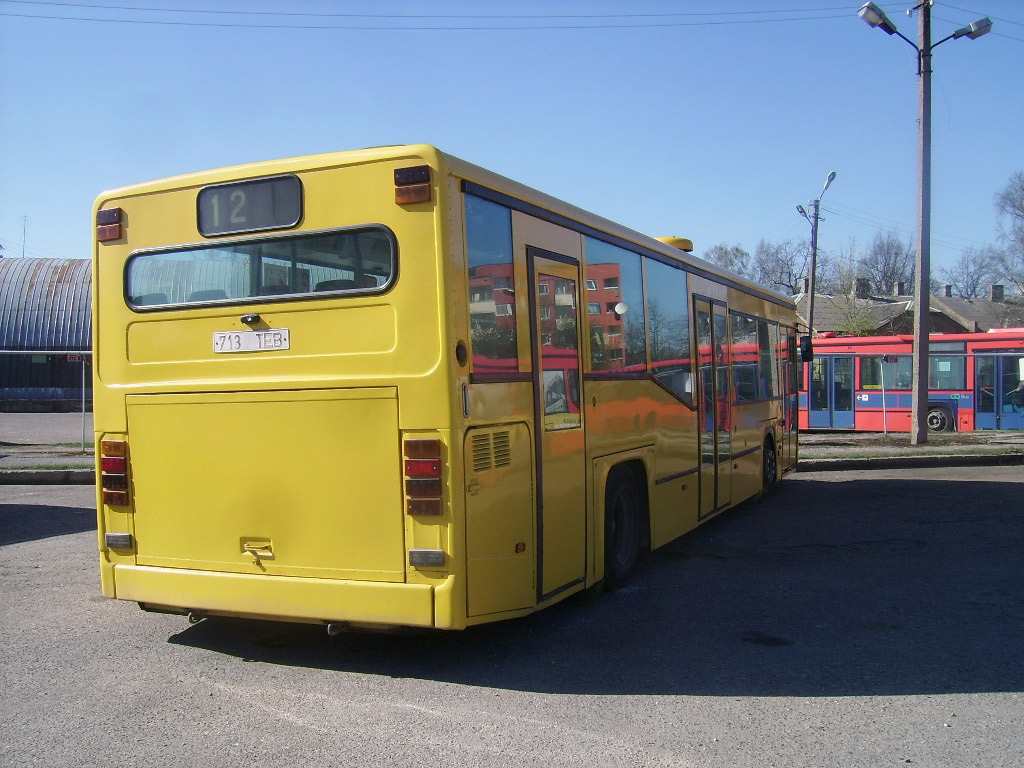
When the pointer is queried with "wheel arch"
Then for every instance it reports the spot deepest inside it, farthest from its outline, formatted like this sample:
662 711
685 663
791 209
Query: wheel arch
637 466
949 410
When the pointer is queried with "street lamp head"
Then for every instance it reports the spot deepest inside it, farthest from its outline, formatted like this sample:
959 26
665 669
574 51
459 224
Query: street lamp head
829 180
975 29
876 17
802 212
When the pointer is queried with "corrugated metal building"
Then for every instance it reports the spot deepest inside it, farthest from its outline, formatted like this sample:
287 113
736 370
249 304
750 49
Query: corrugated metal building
45 306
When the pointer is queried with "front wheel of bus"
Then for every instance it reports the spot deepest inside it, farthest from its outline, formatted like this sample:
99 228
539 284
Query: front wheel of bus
622 512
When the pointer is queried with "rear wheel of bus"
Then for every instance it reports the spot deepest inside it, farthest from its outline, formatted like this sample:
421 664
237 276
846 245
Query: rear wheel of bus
623 511
940 419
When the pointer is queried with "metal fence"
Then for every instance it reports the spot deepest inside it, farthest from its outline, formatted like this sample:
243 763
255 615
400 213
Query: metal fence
46 380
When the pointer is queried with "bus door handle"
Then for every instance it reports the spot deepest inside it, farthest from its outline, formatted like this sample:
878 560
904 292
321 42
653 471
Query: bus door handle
259 550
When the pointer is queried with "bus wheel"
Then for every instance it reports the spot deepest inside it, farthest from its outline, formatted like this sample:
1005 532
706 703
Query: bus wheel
770 465
622 512
939 419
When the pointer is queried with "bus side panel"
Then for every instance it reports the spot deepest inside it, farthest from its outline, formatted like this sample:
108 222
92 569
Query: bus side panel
674 497
747 447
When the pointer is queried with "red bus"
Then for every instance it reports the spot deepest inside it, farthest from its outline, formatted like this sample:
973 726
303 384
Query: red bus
863 383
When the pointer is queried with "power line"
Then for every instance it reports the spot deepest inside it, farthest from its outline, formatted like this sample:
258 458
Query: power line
13 249
980 13
321 14
942 240
703 21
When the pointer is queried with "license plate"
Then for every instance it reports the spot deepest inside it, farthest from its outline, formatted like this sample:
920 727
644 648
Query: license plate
251 341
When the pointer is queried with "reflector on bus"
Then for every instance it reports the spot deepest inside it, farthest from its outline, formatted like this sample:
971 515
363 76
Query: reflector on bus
108 224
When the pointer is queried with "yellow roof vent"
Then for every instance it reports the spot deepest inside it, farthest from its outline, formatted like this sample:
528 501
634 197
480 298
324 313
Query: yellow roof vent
682 243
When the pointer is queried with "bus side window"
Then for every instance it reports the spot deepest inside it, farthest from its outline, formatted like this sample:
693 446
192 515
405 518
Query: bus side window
492 305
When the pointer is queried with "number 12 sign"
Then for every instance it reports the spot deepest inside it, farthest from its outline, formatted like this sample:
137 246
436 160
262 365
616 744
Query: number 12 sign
250 206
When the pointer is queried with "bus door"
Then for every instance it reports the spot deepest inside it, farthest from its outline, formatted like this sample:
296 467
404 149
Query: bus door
830 397
1000 391
561 467
790 398
715 406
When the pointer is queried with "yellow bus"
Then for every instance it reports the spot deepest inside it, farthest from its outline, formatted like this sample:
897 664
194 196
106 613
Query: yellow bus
388 388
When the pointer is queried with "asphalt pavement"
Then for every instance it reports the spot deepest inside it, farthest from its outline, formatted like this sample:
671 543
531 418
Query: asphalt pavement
56 449
849 620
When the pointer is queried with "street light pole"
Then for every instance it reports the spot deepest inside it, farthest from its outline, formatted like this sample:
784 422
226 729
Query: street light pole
875 17
813 219
922 264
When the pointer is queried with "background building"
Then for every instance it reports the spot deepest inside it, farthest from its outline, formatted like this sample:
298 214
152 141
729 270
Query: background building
864 314
45 317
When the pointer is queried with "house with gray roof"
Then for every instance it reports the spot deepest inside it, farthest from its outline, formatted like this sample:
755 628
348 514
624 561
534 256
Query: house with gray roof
862 314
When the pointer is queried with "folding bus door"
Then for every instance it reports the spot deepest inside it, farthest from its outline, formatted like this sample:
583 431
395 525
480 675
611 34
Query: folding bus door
715 414
561 502
830 400
999 380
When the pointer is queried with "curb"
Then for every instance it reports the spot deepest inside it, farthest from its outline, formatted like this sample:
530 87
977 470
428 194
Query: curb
88 476
911 462
47 477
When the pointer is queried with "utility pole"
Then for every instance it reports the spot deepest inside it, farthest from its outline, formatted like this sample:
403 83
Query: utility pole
813 218
812 283
922 266
875 17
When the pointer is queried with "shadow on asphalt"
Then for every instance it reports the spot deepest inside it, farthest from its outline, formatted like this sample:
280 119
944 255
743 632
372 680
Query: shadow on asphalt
853 587
29 522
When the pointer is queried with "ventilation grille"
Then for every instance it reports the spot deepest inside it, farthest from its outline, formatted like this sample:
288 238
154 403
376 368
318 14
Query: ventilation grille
482 452
502 449
491 450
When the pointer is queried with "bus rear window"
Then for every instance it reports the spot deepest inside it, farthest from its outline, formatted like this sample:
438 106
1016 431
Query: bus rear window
346 261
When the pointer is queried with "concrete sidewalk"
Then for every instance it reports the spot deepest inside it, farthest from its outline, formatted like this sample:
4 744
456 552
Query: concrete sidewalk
46 449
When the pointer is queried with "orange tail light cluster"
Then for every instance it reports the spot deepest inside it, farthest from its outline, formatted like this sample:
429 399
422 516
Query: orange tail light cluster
412 185
114 472
423 476
109 224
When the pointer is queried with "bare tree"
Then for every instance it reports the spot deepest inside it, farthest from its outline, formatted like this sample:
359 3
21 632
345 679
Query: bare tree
733 258
1010 207
838 270
888 261
782 266
973 272
853 319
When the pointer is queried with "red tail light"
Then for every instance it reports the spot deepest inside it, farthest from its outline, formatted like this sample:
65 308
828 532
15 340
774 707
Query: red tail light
423 470
114 473
422 467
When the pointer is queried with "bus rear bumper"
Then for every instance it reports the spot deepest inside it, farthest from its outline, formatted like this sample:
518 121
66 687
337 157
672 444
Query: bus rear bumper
284 598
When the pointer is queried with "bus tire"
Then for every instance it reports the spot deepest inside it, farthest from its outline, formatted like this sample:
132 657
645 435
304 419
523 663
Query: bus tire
940 419
622 520
769 466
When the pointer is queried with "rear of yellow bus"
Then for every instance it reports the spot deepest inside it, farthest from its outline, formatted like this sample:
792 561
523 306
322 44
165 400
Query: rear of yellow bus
272 391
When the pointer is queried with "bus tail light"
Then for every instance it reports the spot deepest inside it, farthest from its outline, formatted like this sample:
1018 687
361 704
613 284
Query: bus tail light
423 484
114 472
108 224
412 185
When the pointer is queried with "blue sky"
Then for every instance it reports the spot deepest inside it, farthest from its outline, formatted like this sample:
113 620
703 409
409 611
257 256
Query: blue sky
708 120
